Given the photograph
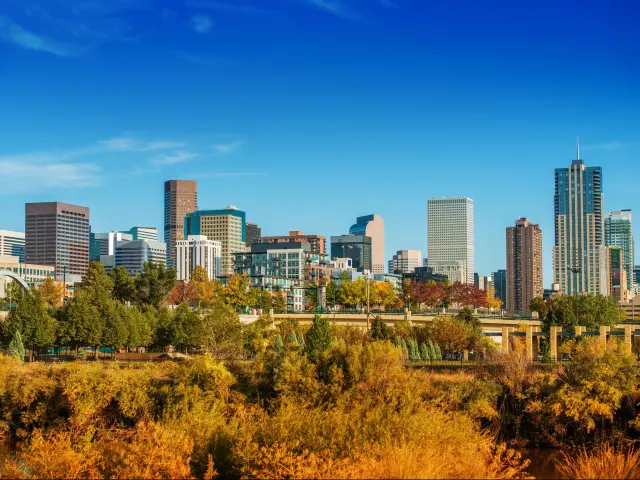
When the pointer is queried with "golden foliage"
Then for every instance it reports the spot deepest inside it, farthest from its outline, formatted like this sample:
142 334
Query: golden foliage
604 462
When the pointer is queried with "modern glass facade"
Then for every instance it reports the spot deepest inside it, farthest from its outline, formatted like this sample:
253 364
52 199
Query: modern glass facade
579 260
619 233
133 254
355 247
372 226
143 233
499 280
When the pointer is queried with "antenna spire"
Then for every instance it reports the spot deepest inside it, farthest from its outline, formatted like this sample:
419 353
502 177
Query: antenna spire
578 148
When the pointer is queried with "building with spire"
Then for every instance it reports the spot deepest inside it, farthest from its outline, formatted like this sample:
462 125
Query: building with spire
579 254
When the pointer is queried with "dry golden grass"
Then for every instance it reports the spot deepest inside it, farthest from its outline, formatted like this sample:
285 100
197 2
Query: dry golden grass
604 462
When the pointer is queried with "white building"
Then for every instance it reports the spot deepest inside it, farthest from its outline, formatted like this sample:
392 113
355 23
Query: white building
12 244
133 254
198 250
450 237
405 261
342 263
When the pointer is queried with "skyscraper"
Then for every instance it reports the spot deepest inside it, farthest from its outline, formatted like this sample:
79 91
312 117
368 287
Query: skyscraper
57 235
12 244
180 198
372 226
618 233
405 261
524 265
579 260
254 232
356 247
450 247
227 226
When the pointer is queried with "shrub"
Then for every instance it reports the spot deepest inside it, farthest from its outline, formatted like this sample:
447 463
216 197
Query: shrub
604 462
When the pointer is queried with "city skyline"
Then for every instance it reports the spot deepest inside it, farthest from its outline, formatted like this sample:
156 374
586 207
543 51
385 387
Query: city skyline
486 110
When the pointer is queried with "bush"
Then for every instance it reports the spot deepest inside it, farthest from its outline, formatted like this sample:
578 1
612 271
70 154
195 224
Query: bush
604 462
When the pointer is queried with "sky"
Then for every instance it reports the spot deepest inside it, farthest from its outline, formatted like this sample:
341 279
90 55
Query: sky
309 113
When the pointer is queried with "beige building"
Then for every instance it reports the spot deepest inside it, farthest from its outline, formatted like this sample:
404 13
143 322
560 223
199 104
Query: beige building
372 226
180 198
31 274
405 261
524 265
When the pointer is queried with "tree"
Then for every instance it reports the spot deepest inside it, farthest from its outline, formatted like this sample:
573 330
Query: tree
292 339
124 289
425 354
184 330
52 292
383 294
451 334
236 291
205 292
117 323
379 330
353 293
333 293
319 337
538 304
154 284
591 311
492 301
278 345
222 332
80 321
15 347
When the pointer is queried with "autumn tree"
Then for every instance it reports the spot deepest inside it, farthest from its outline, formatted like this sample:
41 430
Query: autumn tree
51 292
353 293
236 291
383 294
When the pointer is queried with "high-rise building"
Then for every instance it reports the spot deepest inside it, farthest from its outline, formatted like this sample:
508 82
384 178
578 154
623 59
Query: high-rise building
355 247
57 235
143 233
227 226
12 244
318 243
198 251
450 242
102 247
372 226
405 261
524 265
579 259
253 232
133 254
616 274
180 198
499 282
618 233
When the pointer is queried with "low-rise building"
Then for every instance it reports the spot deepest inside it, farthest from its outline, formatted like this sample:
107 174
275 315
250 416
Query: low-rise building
31 274
133 254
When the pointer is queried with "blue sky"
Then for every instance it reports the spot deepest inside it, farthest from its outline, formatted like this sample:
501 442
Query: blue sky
309 113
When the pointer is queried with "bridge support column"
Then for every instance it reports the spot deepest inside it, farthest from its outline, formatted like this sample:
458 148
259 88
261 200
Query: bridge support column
603 334
407 314
553 342
505 339
628 339
529 344
465 355
580 330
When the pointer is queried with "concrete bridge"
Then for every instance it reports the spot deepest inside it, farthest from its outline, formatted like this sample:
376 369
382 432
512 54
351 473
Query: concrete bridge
498 328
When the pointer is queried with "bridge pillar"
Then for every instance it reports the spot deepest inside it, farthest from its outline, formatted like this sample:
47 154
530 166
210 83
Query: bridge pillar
465 355
553 342
505 339
407 314
628 339
580 330
603 334
529 344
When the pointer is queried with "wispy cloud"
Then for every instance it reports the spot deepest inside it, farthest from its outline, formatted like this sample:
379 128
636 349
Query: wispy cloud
16 34
201 24
223 6
177 157
609 146
228 147
34 175
130 144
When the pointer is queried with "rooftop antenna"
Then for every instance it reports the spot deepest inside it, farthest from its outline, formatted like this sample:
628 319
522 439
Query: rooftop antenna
578 148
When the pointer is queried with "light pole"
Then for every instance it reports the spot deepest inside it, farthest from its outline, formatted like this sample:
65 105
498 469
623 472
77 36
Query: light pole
575 270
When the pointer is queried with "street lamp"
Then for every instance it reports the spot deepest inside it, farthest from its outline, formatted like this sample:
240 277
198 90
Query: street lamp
576 270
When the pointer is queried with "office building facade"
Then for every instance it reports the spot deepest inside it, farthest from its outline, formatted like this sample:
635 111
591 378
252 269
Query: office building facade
618 232
450 237
318 243
133 254
405 261
499 282
31 274
57 235
227 226
143 233
524 265
616 274
578 255
253 233
355 247
12 244
198 251
372 226
180 198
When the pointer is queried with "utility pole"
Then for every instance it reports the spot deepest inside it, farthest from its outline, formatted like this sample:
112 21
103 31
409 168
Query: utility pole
368 301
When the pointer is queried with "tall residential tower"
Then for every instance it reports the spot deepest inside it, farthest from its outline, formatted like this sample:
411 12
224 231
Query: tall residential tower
180 198
579 257
618 233
450 248
524 265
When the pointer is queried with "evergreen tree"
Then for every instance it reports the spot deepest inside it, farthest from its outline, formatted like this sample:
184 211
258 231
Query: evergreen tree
301 341
319 337
278 345
416 351
438 353
16 348
424 353
432 351
379 330
396 341
411 350
292 339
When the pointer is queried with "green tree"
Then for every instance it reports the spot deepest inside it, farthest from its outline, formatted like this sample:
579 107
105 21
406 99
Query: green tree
278 345
333 293
80 322
292 339
222 334
425 354
539 305
185 329
15 347
379 330
124 289
117 324
319 337
154 284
